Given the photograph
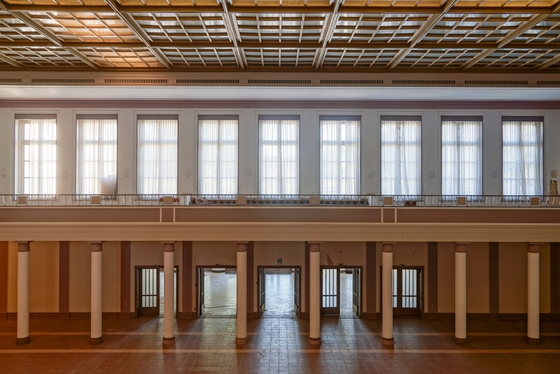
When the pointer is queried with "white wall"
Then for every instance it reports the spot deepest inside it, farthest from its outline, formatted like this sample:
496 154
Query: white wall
248 146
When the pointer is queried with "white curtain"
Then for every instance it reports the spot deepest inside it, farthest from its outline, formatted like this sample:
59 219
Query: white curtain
340 157
279 157
522 157
157 156
461 158
36 156
96 165
217 158
400 158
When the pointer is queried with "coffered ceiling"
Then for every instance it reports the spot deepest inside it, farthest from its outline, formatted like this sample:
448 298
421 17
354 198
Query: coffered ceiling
481 36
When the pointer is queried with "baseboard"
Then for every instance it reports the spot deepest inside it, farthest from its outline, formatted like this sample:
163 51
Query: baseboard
304 315
186 315
491 317
366 315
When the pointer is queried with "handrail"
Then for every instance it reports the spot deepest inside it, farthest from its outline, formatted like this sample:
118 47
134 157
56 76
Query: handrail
479 201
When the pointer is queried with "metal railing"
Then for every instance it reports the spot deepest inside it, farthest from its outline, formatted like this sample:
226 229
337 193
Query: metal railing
480 201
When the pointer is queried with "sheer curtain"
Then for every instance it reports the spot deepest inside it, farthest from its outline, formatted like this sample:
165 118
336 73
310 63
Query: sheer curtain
36 155
157 156
400 157
279 156
340 156
96 162
461 157
217 157
522 157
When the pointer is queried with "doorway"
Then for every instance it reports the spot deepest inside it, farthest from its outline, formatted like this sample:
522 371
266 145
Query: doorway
150 290
216 291
279 290
407 291
341 291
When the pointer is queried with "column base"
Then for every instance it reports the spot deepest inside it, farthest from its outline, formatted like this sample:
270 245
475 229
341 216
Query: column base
168 341
460 341
23 341
533 341
316 342
96 340
388 342
240 342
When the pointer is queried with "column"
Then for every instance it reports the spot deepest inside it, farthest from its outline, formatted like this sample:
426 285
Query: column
96 293
23 294
461 293
533 301
387 312
315 293
168 292
241 338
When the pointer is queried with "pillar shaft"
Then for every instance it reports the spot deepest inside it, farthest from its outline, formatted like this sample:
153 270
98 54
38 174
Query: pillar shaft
387 311
96 336
533 301
23 294
315 293
241 337
460 293
168 291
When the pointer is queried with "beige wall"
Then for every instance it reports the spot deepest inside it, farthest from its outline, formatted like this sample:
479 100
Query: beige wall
211 254
43 277
12 277
80 277
291 253
111 277
544 280
151 254
478 287
446 277
478 278
513 278
411 254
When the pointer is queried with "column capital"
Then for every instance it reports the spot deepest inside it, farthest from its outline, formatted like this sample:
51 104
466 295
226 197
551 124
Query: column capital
533 247
96 246
23 246
314 246
168 246
241 246
387 246
461 247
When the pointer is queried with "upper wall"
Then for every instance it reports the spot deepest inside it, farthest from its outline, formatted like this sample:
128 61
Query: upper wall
248 145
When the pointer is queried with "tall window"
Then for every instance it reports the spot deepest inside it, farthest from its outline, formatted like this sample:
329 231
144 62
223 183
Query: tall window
340 155
96 158
522 155
279 155
217 154
400 155
35 154
461 155
157 154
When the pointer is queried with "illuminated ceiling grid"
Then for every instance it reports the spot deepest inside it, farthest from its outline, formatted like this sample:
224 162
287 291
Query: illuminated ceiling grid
289 35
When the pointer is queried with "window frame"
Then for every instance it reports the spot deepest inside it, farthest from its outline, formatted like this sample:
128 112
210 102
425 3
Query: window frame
280 118
156 117
358 170
402 118
524 119
19 158
464 118
100 117
215 117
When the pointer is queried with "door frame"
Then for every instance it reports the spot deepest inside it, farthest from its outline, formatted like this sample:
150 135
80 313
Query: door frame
198 311
420 289
334 310
361 293
258 286
158 267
